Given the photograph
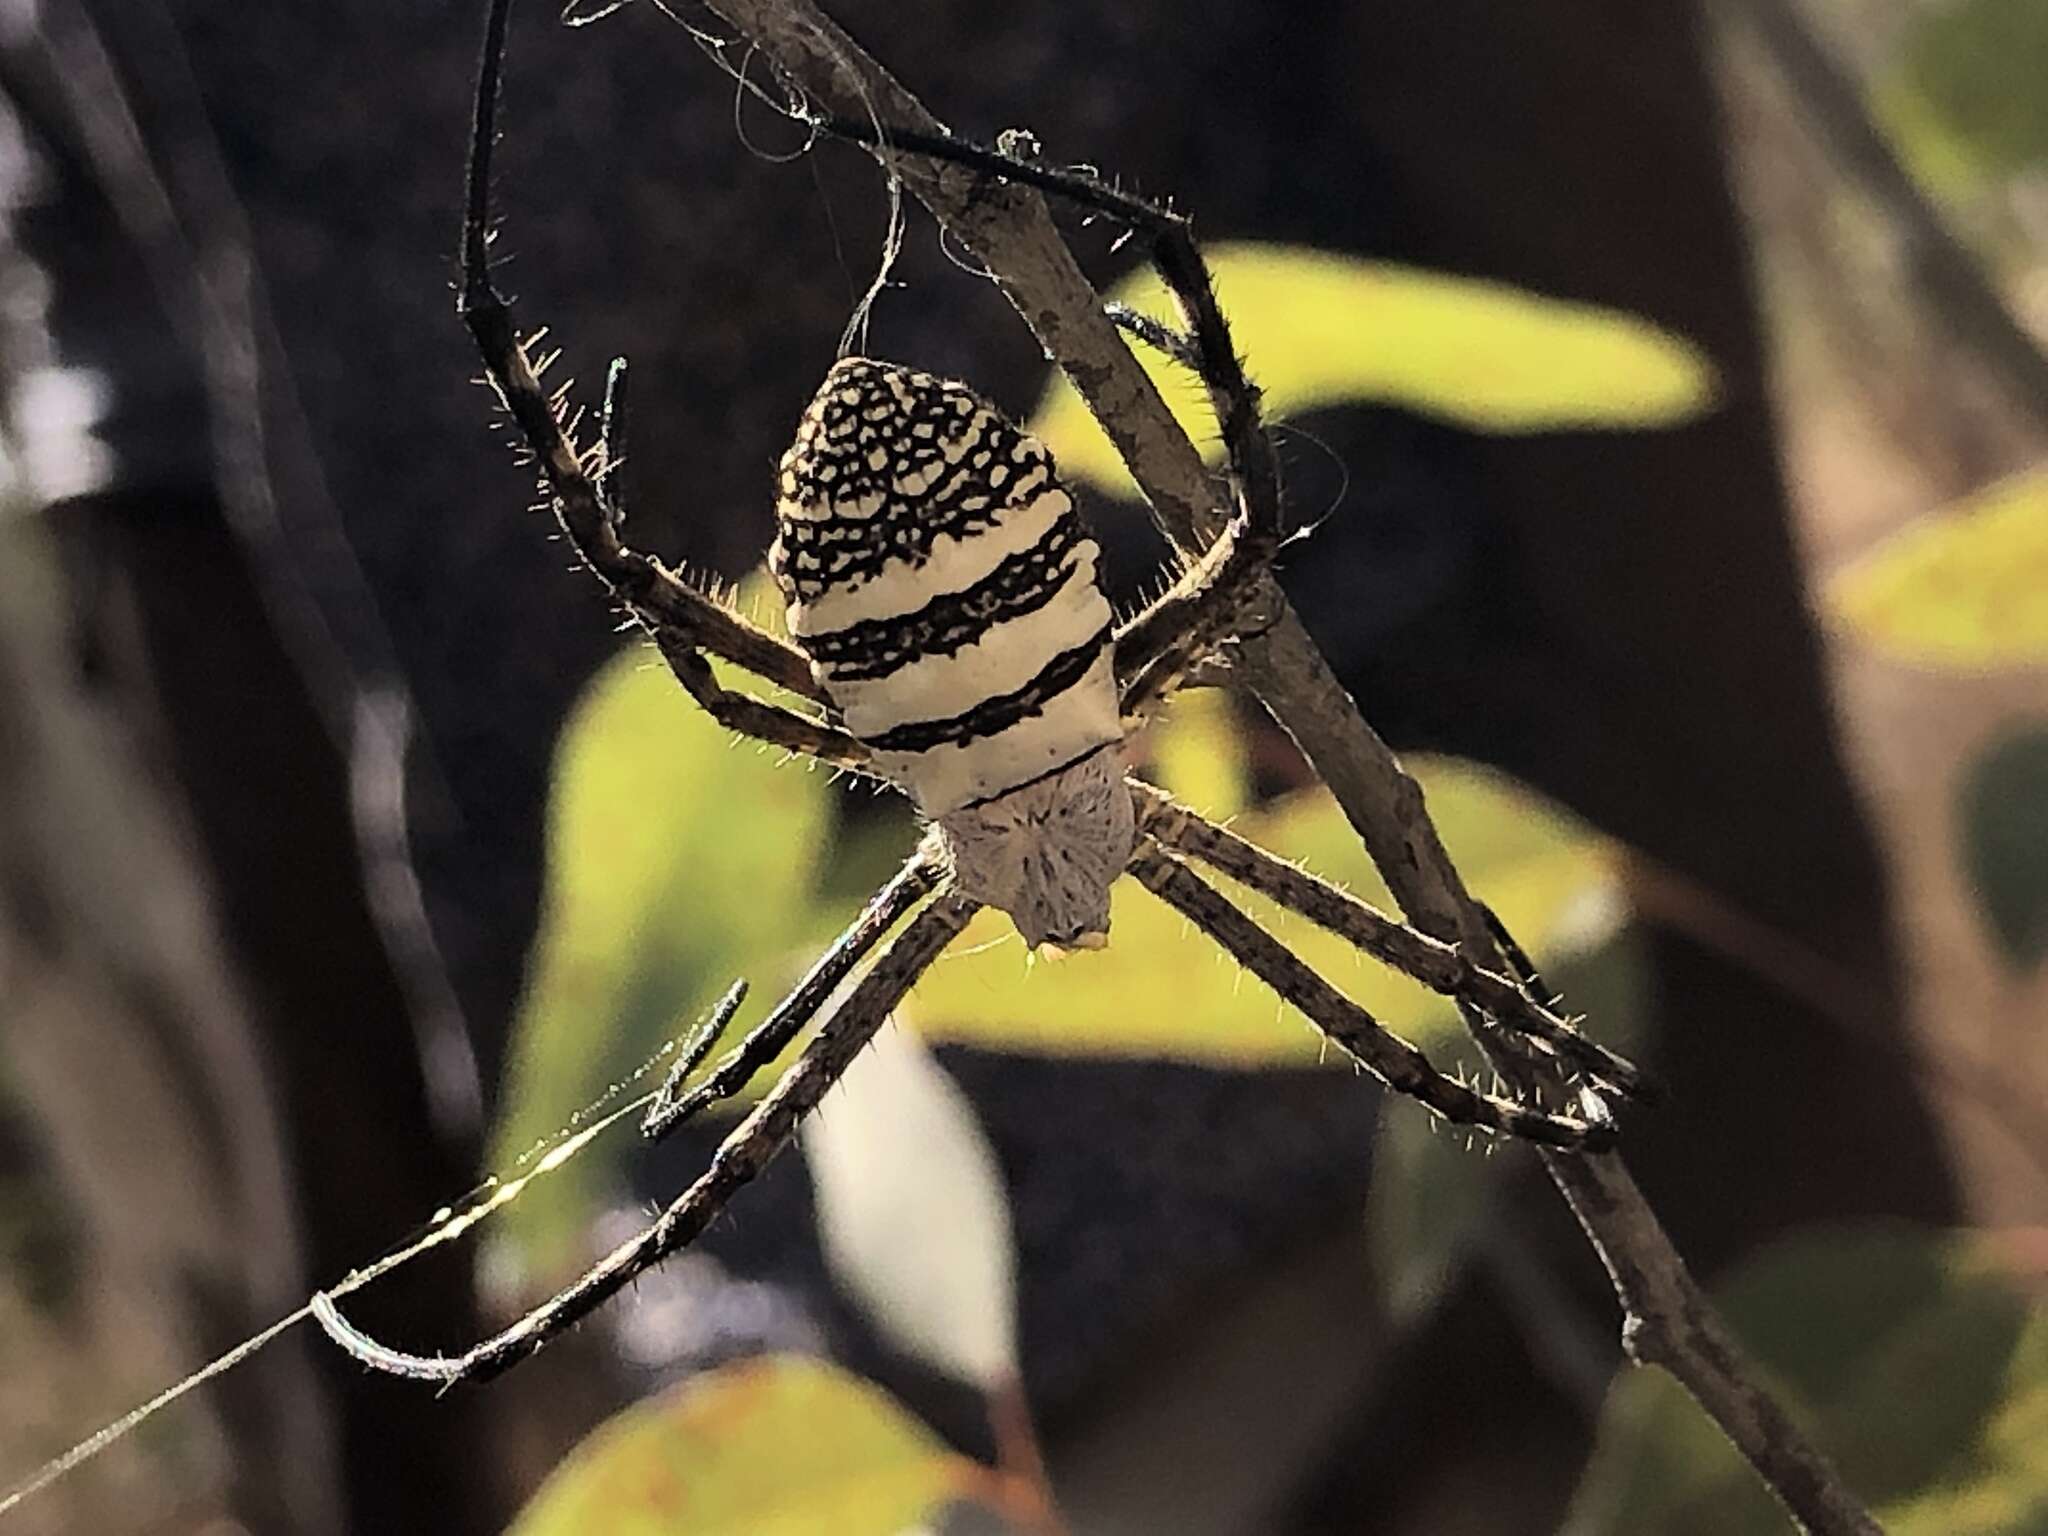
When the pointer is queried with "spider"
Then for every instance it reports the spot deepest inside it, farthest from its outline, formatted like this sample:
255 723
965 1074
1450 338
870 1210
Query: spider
951 639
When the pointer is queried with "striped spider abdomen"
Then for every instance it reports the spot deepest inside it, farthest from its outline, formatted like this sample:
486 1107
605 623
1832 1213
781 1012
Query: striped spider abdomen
941 583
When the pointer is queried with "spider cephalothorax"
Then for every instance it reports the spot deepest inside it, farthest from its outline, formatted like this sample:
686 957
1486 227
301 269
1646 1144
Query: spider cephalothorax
942 586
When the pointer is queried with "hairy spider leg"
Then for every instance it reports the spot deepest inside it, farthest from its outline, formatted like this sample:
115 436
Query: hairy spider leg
763 1043
1388 1057
740 1157
1442 967
584 490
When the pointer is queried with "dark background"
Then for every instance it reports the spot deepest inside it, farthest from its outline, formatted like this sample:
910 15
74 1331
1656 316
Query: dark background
247 1052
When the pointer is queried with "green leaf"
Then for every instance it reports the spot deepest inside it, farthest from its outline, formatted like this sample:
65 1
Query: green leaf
1162 989
1964 97
1920 1371
2002 816
1198 756
1967 589
1321 329
677 858
779 1446
1429 1196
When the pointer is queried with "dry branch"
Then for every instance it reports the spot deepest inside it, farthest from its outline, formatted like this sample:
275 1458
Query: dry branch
1667 1319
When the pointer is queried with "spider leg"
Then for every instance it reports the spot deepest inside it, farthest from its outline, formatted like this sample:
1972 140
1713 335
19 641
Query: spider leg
739 1158
1439 966
1393 1060
700 1044
749 716
763 1043
1202 610
1518 959
585 492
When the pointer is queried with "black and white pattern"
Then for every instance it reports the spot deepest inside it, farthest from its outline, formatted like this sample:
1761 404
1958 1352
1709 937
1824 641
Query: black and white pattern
942 586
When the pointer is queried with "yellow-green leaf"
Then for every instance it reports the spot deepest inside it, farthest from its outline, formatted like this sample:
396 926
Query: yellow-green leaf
1964 95
677 858
1967 589
1319 329
1198 756
780 1446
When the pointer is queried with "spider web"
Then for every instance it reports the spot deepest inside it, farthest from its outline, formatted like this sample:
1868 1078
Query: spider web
452 1221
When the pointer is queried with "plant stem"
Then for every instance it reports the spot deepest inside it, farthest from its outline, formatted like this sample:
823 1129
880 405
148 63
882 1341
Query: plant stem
1020 1461
1667 1320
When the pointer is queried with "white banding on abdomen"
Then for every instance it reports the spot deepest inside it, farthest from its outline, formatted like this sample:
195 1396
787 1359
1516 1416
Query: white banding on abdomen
939 684
956 561
948 601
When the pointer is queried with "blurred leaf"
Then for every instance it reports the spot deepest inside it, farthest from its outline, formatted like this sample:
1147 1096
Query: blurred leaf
1964 96
1921 1373
912 1211
1430 1194
2002 811
676 859
1197 754
1162 989
1322 329
1967 589
779 1446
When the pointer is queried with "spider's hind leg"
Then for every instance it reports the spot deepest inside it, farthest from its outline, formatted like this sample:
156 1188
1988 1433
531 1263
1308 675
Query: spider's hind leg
1510 1003
1388 1057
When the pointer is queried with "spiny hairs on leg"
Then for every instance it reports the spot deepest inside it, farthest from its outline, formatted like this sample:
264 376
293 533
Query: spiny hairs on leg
945 591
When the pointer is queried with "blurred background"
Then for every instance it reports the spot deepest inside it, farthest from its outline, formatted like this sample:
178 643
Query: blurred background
1664 389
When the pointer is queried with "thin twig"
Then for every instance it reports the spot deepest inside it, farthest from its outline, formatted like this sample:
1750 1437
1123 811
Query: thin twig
1025 1483
1667 1319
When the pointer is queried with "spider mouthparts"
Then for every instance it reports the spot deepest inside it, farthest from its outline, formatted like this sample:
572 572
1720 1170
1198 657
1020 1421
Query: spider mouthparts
1059 949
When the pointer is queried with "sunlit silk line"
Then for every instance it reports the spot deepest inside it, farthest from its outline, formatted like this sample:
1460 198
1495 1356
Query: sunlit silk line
86 1449
448 1225
452 1224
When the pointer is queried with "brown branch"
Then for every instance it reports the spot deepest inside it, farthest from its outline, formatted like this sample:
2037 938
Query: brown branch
1668 1320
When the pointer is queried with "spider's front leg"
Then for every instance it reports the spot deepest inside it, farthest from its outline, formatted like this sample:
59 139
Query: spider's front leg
585 491
673 1106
